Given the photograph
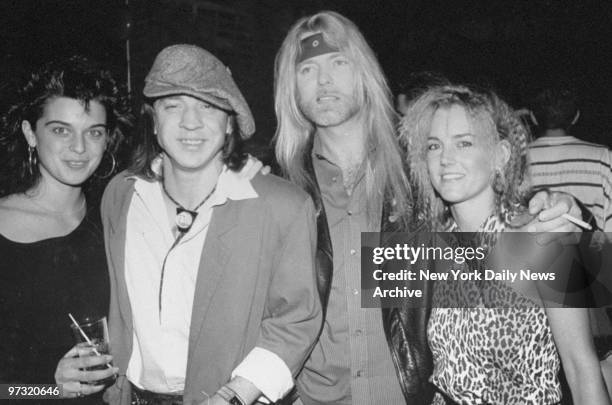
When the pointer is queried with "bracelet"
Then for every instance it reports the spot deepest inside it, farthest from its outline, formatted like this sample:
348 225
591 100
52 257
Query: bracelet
230 396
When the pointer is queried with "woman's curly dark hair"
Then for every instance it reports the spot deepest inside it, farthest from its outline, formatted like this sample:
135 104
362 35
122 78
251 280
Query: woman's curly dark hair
490 115
74 77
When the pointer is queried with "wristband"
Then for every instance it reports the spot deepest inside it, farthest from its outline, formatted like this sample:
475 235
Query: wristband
230 396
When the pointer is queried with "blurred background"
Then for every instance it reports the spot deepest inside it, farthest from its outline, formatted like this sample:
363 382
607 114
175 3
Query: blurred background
516 46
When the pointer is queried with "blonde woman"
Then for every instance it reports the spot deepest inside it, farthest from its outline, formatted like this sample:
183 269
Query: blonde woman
466 152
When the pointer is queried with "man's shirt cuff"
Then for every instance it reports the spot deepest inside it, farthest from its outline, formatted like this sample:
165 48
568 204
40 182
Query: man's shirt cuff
267 372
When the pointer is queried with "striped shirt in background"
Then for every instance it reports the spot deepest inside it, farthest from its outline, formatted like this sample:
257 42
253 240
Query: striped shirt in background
566 163
583 169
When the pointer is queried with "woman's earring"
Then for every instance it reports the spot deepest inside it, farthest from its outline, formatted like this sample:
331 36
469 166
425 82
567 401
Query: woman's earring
112 169
32 159
499 181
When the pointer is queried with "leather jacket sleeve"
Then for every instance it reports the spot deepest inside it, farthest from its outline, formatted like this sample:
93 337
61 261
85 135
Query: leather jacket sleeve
406 332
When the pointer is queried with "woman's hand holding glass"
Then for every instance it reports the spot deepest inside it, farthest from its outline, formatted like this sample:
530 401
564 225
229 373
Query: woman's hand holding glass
73 376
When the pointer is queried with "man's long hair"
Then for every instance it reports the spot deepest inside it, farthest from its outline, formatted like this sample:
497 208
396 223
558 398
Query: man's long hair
384 168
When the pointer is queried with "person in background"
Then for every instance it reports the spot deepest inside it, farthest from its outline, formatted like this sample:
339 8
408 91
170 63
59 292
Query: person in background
413 85
58 143
467 153
336 139
213 294
559 161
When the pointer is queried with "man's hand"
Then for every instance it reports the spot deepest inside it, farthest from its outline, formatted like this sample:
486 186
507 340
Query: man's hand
237 386
252 167
549 221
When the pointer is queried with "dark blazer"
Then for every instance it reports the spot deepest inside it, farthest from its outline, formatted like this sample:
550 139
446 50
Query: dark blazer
255 286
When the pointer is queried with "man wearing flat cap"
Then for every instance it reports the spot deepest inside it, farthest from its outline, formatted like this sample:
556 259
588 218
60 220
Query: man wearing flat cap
213 294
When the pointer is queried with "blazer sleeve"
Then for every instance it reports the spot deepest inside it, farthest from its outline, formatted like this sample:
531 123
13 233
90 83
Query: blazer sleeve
293 310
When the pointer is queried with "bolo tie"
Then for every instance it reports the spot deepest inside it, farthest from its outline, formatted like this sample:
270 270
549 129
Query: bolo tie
184 220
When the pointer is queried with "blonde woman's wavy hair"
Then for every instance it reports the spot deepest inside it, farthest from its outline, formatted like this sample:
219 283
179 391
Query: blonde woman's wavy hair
384 165
489 115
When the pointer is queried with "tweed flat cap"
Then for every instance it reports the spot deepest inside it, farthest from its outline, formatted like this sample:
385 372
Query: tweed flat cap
191 70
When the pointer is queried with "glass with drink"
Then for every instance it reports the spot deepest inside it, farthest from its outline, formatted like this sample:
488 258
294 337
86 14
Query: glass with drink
91 335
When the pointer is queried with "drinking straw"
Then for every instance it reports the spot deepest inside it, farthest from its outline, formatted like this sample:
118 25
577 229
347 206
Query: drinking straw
86 337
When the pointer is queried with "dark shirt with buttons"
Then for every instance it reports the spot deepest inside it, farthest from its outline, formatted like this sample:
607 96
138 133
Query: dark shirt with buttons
351 363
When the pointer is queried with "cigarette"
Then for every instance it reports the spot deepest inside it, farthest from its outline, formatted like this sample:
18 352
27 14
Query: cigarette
578 222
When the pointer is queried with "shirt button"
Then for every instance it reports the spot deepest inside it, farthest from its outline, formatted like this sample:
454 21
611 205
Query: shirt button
334 179
360 373
353 251
349 212
355 291
358 332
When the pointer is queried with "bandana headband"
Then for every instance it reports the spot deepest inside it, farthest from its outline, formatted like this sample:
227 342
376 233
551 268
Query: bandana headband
315 45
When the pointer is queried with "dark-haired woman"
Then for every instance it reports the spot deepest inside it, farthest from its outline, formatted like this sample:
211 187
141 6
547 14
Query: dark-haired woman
57 147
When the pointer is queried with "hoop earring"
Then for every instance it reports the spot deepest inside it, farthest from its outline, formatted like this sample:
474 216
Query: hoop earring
32 159
113 167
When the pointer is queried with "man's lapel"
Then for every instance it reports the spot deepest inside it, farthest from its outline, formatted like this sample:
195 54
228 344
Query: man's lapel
215 255
118 227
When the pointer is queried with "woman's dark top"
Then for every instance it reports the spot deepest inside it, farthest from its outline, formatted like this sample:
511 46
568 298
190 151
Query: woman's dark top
40 283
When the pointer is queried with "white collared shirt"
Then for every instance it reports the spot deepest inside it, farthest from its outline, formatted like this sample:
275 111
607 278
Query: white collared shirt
160 343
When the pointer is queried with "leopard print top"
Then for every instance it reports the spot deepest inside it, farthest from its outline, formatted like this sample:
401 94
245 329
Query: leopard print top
491 355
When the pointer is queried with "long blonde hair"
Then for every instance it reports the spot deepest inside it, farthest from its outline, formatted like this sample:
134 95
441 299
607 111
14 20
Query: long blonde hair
384 164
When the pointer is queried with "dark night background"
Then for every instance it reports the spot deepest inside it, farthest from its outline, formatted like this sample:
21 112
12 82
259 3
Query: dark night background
514 45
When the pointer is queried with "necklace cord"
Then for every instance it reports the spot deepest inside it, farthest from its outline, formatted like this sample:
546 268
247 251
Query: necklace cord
183 224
